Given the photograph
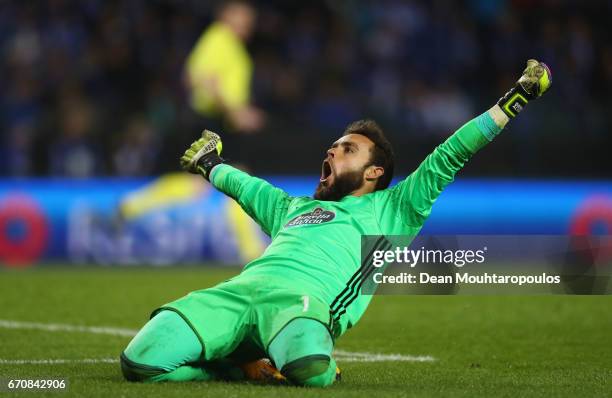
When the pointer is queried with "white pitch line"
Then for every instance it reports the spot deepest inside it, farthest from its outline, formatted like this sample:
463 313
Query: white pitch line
55 361
341 355
347 356
59 327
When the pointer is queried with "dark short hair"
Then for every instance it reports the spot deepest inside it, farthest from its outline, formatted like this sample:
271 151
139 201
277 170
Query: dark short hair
382 153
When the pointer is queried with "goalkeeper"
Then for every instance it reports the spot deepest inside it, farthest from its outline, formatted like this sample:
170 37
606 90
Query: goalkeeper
292 303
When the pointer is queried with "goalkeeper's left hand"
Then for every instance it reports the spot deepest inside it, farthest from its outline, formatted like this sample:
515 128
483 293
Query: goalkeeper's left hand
203 154
534 82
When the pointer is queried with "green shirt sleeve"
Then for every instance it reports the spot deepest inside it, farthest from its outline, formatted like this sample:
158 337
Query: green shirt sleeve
266 204
412 199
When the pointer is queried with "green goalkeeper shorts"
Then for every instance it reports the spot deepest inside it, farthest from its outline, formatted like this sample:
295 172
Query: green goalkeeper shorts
245 314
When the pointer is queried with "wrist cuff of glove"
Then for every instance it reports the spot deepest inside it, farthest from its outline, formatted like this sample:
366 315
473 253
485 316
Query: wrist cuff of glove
207 162
514 101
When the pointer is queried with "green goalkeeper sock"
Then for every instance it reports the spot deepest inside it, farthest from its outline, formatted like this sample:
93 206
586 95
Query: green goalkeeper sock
302 350
165 349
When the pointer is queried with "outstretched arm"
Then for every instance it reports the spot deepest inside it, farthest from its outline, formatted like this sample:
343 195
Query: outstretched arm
420 190
266 204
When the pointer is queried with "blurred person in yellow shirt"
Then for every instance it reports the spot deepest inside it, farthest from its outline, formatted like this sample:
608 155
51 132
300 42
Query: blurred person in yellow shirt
218 75
219 69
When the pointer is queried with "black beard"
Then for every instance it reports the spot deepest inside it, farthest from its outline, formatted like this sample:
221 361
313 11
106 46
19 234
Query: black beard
343 185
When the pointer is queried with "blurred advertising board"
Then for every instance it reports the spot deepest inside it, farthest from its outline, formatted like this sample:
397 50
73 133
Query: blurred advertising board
178 219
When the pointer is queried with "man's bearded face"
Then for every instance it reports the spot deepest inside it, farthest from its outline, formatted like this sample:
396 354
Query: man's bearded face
343 184
343 169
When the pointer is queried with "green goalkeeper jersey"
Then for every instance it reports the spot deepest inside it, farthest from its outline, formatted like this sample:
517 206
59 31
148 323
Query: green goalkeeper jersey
316 244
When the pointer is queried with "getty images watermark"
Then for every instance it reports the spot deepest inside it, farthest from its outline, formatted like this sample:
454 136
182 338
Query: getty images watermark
458 258
477 264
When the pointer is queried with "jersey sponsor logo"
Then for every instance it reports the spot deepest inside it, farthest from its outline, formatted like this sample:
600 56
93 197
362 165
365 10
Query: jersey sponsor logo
317 216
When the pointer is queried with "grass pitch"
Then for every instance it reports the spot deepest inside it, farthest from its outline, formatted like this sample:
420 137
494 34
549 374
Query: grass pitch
483 345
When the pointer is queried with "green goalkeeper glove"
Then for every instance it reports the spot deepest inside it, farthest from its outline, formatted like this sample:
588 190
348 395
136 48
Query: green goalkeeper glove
203 154
534 82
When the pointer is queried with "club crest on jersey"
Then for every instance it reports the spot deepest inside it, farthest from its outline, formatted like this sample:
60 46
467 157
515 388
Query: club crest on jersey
317 216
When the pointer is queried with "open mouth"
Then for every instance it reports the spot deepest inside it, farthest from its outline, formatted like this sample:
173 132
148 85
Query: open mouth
326 171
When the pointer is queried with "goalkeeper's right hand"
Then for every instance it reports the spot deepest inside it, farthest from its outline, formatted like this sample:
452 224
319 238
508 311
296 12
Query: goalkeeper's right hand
203 154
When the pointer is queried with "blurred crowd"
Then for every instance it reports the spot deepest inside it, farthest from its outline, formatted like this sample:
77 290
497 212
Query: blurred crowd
96 87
